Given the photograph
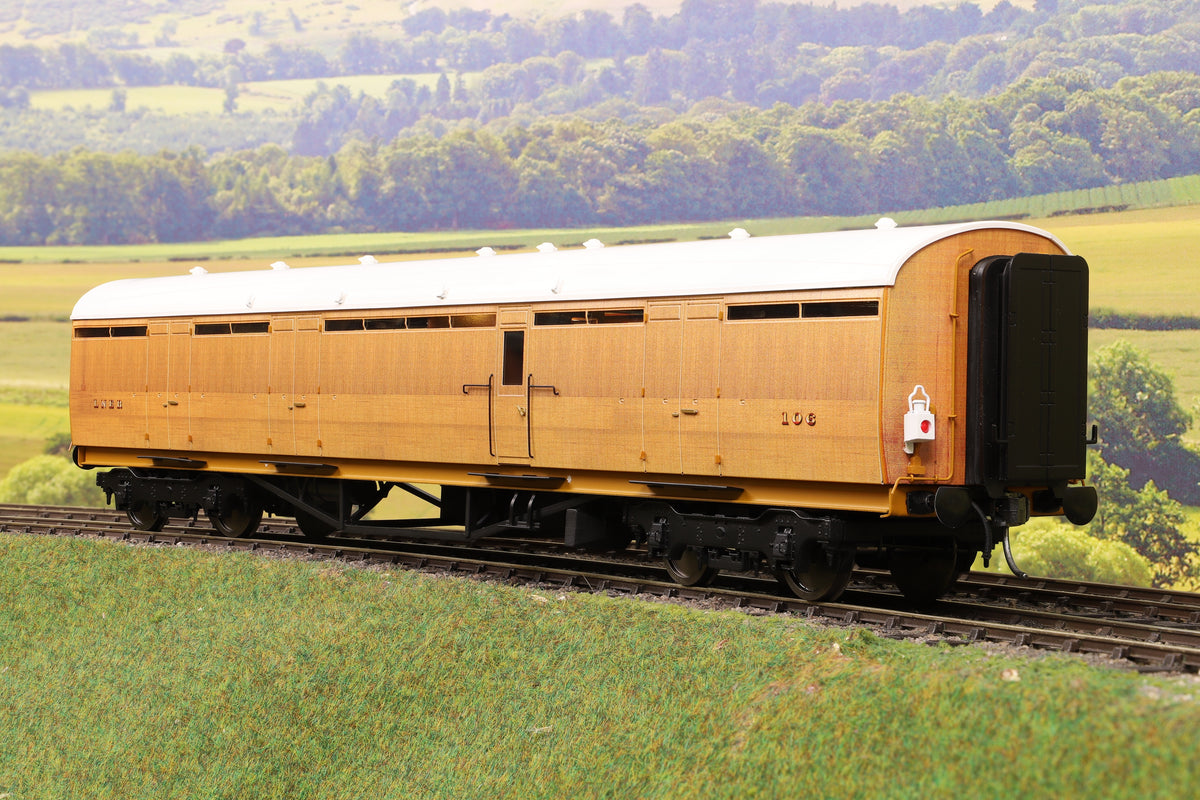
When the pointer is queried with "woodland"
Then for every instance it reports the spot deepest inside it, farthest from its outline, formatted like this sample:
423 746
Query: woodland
725 109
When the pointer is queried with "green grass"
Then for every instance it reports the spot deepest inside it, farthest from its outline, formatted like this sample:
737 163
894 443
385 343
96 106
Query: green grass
1159 193
351 244
34 358
130 673
1141 261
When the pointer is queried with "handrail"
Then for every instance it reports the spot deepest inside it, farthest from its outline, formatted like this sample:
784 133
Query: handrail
529 387
491 424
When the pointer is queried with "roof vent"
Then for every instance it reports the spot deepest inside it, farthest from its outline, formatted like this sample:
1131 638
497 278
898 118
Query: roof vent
485 251
593 244
739 233
885 224
279 265
364 260
198 271
546 247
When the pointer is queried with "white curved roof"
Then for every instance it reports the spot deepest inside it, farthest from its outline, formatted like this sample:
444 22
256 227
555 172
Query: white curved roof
843 259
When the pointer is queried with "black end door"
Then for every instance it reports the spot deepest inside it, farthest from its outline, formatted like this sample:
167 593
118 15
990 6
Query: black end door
1027 373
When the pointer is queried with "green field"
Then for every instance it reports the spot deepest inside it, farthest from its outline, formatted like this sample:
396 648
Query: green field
159 672
327 24
34 362
1141 261
255 96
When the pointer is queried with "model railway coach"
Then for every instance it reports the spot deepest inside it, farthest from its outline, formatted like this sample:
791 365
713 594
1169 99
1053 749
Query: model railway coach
896 396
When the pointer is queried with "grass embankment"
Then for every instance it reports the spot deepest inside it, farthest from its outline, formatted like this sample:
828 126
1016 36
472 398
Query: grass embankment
175 673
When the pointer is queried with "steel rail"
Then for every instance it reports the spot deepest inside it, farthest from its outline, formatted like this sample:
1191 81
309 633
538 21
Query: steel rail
1149 642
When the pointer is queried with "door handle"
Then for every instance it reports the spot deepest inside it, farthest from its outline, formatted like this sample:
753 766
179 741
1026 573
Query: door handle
691 412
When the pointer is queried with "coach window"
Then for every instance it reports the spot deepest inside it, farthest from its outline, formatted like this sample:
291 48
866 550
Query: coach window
514 358
840 308
763 311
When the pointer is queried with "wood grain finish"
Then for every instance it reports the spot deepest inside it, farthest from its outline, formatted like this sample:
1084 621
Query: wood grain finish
682 390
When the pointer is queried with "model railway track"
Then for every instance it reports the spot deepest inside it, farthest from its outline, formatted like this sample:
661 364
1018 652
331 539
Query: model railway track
1149 629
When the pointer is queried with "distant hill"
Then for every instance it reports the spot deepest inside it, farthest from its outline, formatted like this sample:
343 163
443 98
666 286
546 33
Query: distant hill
207 25
461 118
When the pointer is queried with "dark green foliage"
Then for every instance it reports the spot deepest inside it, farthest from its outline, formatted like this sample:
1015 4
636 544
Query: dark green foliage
1146 519
1105 318
1135 400
1064 551
1141 421
58 445
1141 425
720 160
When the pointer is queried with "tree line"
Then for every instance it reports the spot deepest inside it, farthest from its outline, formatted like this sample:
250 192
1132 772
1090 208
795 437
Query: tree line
719 161
744 50
470 40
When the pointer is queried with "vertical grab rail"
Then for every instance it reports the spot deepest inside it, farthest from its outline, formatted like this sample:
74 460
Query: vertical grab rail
529 387
491 425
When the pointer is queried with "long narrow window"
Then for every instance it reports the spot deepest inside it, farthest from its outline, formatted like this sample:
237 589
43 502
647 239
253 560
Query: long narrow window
764 311
610 316
514 358
420 323
841 308
116 331
343 324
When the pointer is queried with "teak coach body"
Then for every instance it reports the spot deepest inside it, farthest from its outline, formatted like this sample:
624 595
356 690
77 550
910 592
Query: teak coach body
900 394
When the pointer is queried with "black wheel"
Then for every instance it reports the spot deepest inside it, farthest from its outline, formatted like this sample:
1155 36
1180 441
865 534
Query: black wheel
145 516
814 576
691 568
240 519
923 575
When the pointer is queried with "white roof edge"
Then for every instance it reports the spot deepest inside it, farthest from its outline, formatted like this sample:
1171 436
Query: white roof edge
841 259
